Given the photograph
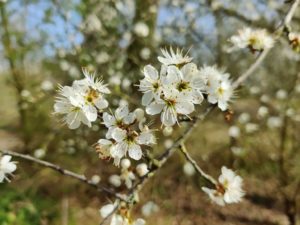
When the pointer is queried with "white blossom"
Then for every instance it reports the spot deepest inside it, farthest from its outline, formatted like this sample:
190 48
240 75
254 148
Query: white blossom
244 118
262 112
47 85
234 131
71 104
255 40
174 57
151 85
187 81
174 103
126 133
6 167
149 208
251 127
228 190
281 94
141 29
80 102
218 86
274 122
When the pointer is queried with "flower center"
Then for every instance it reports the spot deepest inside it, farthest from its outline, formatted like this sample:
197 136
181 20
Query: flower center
170 102
155 86
220 91
91 95
183 86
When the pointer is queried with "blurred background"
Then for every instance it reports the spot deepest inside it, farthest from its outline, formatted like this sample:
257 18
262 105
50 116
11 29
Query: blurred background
44 43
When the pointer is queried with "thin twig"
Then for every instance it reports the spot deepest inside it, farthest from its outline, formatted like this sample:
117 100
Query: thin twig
63 171
196 166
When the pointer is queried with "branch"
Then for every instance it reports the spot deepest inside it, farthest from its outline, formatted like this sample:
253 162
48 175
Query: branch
64 172
288 18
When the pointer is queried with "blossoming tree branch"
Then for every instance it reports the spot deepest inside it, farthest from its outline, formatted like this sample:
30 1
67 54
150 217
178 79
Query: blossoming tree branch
172 92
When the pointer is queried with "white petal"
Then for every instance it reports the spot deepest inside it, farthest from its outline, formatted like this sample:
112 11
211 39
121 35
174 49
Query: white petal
117 220
150 72
154 108
101 103
2 177
168 117
106 210
174 74
222 105
90 112
118 134
147 98
121 112
146 138
135 152
129 118
184 107
108 120
104 142
9 168
72 120
118 150
5 159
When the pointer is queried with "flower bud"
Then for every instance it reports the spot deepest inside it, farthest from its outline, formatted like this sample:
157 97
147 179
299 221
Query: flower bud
115 180
139 114
167 131
188 169
95 179
142 169
125 163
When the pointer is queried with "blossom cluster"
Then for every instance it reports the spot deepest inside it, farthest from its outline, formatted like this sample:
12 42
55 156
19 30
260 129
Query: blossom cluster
127 133
180 85
255 40
128 173
80 102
